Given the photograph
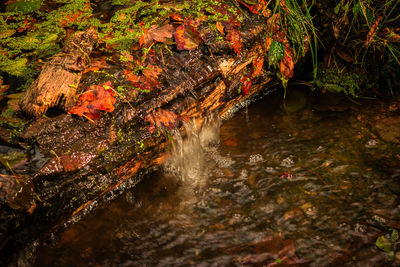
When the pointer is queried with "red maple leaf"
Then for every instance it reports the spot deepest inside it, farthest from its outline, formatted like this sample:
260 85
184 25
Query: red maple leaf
97 98
234 38
156 33
187 37
162 117
147 81
246 84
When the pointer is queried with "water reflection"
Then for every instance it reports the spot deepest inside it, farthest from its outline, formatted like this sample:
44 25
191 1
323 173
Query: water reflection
283 188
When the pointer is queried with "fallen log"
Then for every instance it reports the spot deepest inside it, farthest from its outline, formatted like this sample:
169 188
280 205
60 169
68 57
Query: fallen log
91 159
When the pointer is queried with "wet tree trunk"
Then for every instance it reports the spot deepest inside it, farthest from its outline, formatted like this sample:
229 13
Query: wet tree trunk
77 163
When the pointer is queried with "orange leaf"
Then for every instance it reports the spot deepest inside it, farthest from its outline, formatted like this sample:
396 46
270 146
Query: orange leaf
141 40
131 77
233 37
152 71
187 37
156 33
372 31
268 42
255 9
287 64
258 64
220 28
96 65
97 98
161 118
144 82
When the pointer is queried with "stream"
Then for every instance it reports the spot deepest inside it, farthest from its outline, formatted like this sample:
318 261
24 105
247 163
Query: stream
300 183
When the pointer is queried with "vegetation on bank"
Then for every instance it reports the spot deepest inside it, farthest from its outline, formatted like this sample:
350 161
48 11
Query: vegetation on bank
360 41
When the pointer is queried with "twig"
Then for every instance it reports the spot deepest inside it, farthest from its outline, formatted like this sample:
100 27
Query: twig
89 119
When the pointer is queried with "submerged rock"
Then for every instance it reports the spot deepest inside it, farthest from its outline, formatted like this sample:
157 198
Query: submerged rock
388 129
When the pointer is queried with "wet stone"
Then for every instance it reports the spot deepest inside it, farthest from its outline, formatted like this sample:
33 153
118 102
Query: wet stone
388 129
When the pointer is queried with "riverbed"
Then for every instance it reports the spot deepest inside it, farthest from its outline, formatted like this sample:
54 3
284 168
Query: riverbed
305 182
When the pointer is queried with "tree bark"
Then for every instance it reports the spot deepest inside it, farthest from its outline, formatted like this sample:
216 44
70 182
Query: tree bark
59 79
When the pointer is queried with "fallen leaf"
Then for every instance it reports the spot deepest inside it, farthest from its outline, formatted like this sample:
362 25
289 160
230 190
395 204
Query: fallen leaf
97 98
246 84
96 65
187 37
131 77
195 22
160 118
152 71
126 57
157 34
220 28
258 64
255 7
234 38
144 83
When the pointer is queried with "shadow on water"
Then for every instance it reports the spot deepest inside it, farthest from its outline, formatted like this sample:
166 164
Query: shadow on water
299 183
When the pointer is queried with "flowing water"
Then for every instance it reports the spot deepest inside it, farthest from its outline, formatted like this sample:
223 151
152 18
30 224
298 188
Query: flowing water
306 187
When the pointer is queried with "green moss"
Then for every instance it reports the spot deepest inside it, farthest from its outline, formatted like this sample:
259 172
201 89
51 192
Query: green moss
37 34
24 6
347 82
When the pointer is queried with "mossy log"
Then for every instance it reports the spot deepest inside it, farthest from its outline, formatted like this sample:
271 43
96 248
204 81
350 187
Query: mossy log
83 163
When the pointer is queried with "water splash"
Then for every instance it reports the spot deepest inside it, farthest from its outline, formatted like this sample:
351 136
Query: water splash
188 159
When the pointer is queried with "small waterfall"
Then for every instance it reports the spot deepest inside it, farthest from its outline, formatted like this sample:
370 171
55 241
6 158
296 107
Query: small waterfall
188 159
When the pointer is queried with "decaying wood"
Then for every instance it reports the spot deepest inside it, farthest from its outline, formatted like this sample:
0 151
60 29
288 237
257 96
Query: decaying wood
59 79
